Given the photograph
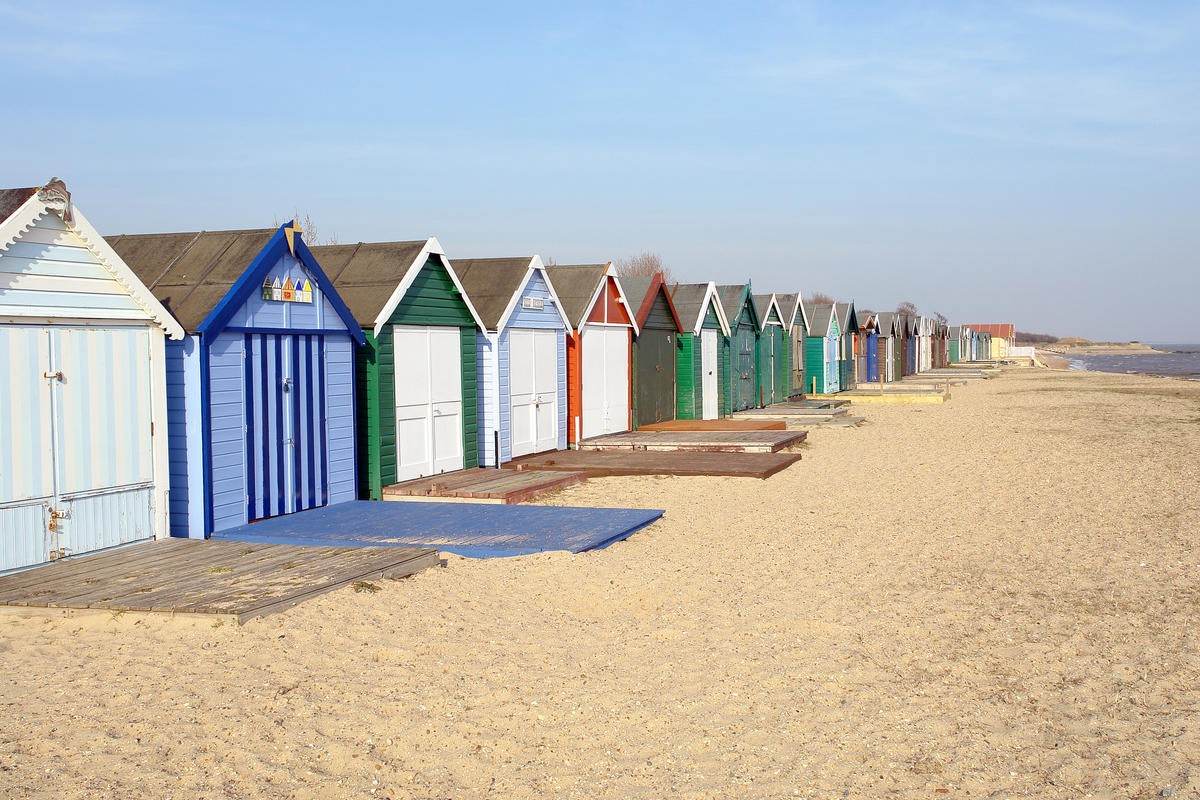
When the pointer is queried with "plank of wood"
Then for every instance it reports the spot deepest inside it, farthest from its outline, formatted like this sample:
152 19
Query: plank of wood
599 463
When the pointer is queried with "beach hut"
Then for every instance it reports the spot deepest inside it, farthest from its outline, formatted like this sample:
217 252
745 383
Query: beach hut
599 350
744 331
83 419
821 349
522 357
911 344
848 346
870 349
260 392
885 325
655 373
955 344
702 360
796 327
417 382
773 367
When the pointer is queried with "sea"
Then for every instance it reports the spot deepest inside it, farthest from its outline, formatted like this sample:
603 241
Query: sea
1175 360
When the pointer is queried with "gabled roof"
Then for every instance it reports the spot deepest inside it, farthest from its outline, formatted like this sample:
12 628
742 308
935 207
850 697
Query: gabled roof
956 331
792 304
692 301
887 323
848 317
20 210
642 291
821 317
205 276
373 277
763 303
735 298
495 286
578 286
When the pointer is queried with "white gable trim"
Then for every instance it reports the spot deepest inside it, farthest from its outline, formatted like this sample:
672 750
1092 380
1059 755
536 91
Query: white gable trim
774 301
610 272
710 296
432 248
25 218
791 320
535 265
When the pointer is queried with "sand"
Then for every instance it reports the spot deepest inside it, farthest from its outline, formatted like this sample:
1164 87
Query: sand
995 597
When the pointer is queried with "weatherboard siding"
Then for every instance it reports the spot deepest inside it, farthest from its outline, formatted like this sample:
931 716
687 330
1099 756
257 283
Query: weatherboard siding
50 272
687 395
184 441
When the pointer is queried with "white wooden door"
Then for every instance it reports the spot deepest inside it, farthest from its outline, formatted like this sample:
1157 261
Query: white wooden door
429 408
75 414
27 467
708 369
545 382
605 380
533 382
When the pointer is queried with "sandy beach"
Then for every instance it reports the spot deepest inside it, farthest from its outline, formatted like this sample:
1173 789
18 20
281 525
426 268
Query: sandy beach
995 597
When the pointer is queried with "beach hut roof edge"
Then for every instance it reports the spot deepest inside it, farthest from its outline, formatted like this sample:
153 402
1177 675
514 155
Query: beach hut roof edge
580 286
684 296
762 306
643 291
848 316
794 301
823 316
20 210
737 295
496 285
214 272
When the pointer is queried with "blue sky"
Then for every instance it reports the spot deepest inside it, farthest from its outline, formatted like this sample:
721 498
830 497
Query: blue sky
1033 161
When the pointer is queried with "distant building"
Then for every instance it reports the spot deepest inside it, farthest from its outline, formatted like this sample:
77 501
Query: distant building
1004 336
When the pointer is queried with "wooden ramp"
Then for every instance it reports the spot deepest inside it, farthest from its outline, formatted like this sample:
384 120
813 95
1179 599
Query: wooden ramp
601 463
233 580
483 486
726 424
474 530
784 411
697 441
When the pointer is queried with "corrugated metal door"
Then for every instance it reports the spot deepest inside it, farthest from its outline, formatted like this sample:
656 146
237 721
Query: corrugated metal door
429 407
534 388
708 367
287 463
77 410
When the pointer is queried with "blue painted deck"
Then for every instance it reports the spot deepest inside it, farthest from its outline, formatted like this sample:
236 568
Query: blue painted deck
474 530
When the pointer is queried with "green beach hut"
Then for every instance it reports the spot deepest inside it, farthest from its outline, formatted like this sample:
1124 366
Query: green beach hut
702 359
795 324
744 330
417 393
773 356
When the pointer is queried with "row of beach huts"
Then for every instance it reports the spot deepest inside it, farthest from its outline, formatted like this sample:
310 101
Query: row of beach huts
182 384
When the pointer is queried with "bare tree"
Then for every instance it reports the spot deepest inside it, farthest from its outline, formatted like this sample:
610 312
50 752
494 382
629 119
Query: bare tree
309 229
940 317
907 307
821 298
644 265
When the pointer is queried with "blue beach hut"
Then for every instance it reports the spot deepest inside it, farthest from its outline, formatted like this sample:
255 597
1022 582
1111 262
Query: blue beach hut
522 362
260 392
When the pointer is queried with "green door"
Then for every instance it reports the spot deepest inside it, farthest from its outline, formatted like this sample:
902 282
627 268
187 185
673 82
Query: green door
744 376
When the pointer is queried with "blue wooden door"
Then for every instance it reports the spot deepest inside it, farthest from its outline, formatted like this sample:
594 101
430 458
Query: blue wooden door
287 466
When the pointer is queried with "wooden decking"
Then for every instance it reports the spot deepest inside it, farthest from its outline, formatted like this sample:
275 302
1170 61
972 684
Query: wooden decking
697 441
232 580
600 463
725 424
483 486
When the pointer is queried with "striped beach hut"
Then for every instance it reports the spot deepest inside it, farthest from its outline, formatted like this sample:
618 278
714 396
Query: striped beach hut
522 360
822 348
744 330
791 306
83 417
655 374
260 393
702 361
773 366
599 350
417 385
